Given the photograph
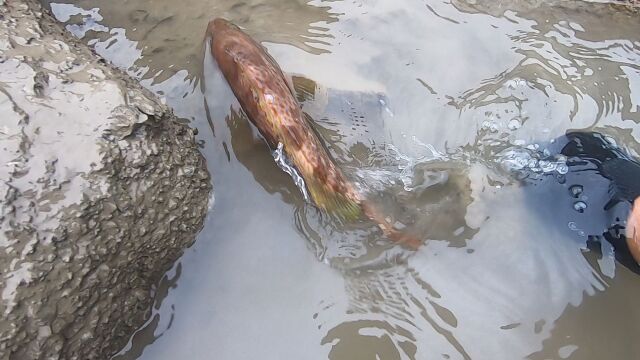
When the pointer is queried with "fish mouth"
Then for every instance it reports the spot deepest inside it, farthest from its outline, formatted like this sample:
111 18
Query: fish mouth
218 25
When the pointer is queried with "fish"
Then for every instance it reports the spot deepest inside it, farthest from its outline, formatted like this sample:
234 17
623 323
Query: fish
268 100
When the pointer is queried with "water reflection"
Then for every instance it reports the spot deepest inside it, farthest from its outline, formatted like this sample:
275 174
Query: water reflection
157 323
391 315
166 37
572 331
421 102
560 55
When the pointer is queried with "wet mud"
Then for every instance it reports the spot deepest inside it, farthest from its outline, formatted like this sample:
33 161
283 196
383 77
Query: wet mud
102 189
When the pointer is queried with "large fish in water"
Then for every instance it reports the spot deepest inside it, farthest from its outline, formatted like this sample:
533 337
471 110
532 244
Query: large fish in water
268 100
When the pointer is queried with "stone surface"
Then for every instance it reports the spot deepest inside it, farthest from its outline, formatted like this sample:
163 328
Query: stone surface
102 189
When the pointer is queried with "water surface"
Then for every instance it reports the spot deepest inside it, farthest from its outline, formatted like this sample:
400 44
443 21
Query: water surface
440 110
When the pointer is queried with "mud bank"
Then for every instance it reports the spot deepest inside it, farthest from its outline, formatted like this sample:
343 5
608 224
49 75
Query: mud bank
102 188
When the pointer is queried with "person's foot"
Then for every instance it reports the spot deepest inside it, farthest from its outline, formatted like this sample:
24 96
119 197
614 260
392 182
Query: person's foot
633 231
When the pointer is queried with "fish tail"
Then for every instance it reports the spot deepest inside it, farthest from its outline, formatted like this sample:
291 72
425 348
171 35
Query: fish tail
345 207
399 237
350 208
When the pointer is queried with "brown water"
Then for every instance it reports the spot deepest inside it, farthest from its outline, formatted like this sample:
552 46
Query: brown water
433 107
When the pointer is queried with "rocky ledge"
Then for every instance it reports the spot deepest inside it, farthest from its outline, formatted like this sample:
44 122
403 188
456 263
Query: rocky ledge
102 189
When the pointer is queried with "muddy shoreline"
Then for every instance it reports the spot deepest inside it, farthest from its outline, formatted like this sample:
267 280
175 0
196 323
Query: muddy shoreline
102 187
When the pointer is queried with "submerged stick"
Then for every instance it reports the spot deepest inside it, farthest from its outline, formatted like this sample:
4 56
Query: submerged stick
268 100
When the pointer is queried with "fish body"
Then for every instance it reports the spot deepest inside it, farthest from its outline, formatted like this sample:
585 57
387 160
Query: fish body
268 100
266 97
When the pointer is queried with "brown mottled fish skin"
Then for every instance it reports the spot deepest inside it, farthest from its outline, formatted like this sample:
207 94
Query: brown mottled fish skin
633 231
265 96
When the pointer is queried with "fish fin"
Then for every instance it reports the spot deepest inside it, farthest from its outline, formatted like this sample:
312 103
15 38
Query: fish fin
304 89
344 207
404 239
399 237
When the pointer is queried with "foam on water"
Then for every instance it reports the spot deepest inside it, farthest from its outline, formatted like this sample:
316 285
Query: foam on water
529 161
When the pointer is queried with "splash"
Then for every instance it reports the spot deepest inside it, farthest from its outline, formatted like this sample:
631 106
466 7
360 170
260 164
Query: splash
408 170
285 164
529 161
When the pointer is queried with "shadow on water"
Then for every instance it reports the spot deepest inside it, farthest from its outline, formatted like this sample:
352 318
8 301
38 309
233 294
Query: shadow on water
589 183
593 201
573 194
391 304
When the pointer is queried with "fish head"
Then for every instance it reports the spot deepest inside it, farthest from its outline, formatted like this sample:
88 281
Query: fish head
222 33
228 47
220 25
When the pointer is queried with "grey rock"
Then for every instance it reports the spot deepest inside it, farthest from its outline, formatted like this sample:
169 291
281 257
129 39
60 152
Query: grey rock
101 190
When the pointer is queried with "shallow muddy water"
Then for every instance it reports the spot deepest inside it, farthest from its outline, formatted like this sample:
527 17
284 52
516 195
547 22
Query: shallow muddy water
442 112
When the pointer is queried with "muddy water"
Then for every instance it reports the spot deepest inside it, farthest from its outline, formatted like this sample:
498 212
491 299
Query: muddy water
441 111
